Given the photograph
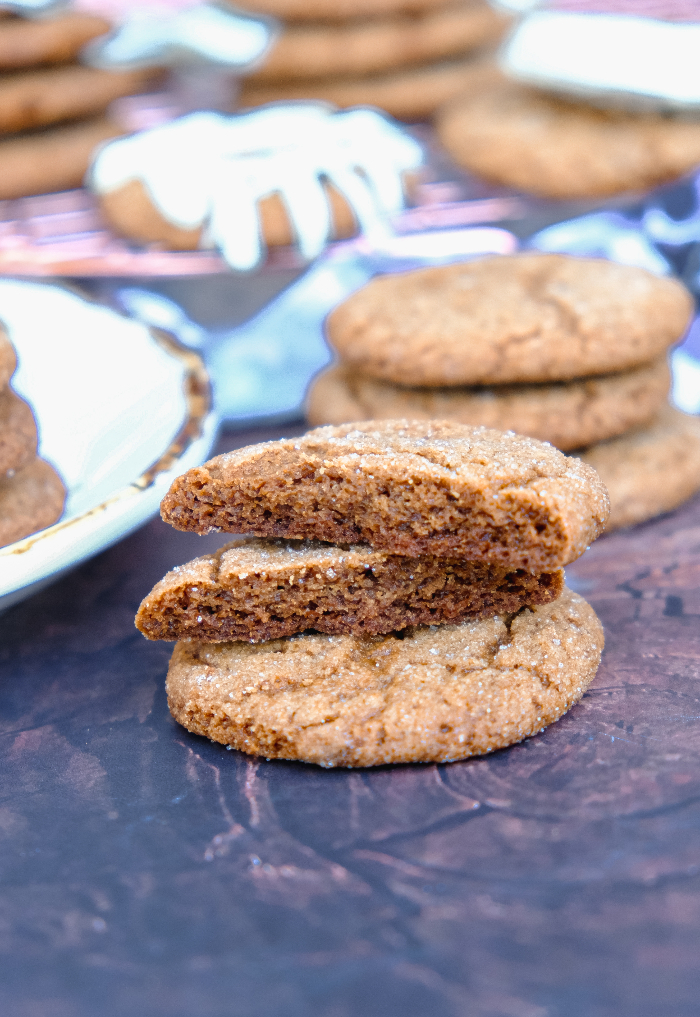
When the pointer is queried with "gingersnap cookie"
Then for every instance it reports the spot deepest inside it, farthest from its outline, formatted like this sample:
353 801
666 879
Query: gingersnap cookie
358 48
130 211
18 435
522 138
567 414
41 97
53 159
408 94
651 470
266 589
408 487
30 501
509 319
423 695
26 42
8 358
337 10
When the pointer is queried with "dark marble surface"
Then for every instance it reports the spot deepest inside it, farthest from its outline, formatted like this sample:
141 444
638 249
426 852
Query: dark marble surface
146 871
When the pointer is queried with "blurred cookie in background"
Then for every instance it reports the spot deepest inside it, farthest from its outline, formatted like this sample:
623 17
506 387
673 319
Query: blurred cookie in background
32 494
407 64
567 414
651 470
595 100
547 145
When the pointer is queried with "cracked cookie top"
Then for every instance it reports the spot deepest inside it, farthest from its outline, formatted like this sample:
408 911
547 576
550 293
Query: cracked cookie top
523 318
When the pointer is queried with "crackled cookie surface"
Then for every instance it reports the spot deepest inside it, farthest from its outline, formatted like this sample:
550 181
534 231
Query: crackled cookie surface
412 488
263 589
430 694
512 319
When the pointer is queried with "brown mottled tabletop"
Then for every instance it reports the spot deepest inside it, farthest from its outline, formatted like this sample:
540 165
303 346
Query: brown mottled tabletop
149 873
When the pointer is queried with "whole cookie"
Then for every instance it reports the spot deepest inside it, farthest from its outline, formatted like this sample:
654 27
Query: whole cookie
18 435
338 10
511 319
41 97
522 138
408 487
650 471
52 159
427 695
29 42
264 589
408 94
130 211
364 47
30 501
567 414
8 358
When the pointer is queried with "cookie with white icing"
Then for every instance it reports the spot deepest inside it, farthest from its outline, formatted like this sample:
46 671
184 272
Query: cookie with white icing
612 52
206 175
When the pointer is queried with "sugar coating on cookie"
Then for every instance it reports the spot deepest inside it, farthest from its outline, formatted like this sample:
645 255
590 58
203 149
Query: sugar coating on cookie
522 138
30 501
430 694
567 414
412 488
651 470
18 435
265 589
516 318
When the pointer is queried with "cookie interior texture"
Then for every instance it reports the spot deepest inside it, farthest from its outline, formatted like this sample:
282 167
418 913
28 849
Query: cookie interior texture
429 694
651 470
30 501
261 589
412 488
567 414
511 319
557 148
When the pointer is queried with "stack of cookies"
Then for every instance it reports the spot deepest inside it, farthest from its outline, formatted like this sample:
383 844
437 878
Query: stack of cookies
407 57
401 600
53 110
31 492
572 351
531 127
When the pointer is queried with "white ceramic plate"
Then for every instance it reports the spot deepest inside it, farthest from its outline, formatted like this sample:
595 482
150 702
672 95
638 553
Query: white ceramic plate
122 409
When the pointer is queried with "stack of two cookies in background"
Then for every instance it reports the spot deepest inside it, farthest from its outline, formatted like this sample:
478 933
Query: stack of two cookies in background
572 351
53 110
31 492
407 57
402 600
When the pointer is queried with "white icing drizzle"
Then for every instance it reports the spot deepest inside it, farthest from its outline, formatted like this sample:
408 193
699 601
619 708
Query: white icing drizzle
608 55
210 170
201 33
